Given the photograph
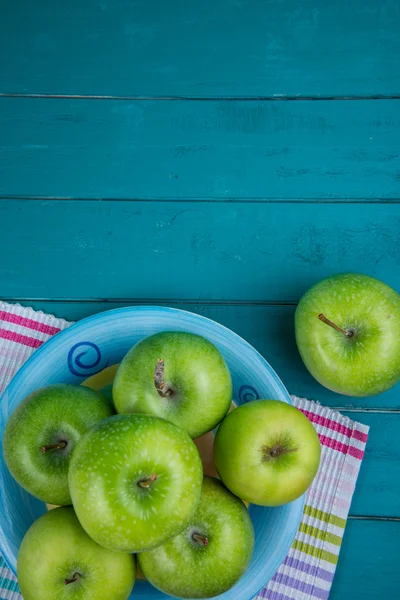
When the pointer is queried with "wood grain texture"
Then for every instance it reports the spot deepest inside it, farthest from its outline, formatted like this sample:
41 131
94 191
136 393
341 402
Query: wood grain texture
368 565
247 252
270 330
209 150
197 48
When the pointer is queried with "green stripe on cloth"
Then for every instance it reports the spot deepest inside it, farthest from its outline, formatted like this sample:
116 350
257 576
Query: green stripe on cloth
317 552
324 516
325 536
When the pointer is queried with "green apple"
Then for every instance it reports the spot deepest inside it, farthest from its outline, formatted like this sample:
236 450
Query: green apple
135 481
42 433
177 376
59 561
267 452
212 552
348 334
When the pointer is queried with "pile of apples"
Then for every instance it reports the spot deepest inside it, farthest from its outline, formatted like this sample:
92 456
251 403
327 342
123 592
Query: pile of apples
129 487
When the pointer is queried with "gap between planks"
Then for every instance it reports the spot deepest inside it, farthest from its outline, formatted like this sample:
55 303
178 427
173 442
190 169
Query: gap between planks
216 200
281 98
373 518
137 301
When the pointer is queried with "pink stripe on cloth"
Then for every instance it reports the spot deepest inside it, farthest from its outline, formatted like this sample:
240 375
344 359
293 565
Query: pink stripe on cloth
335 445
28 323
20 339
359 435
359 454
329 424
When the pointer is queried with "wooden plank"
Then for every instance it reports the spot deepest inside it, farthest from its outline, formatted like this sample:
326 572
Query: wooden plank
242 252
224 48
270 330
208 150
368 564
378 486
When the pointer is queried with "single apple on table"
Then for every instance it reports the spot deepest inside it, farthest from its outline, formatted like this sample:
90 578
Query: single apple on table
267 452
212 552
178 376
42 433
135 481
348 334
58 560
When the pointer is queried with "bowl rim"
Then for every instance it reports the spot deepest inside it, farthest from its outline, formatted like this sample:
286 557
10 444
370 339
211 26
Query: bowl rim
120 312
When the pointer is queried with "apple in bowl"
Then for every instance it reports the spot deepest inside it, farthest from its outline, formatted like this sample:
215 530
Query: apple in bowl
178 376
211 554
57 559
135 481
267 452
42 433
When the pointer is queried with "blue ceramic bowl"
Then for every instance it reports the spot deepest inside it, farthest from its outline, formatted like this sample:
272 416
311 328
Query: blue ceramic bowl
102 340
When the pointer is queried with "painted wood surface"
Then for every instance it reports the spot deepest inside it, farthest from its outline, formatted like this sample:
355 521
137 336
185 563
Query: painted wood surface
368 562
200 149
268 328
243 252
252 194
201 48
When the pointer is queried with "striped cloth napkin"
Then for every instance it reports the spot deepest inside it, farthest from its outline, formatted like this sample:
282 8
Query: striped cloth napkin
309 568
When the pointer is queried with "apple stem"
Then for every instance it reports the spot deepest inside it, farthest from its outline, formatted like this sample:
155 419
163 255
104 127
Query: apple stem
164 389
202 539
75 577
346 332
49 447
146 483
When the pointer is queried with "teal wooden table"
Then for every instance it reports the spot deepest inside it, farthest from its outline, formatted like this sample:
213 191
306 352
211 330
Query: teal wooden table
219 156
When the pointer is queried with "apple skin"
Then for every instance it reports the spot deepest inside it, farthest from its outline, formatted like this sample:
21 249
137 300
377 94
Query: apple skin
48 416
55 548
267 452
105 473
184 568
365 364
201 381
